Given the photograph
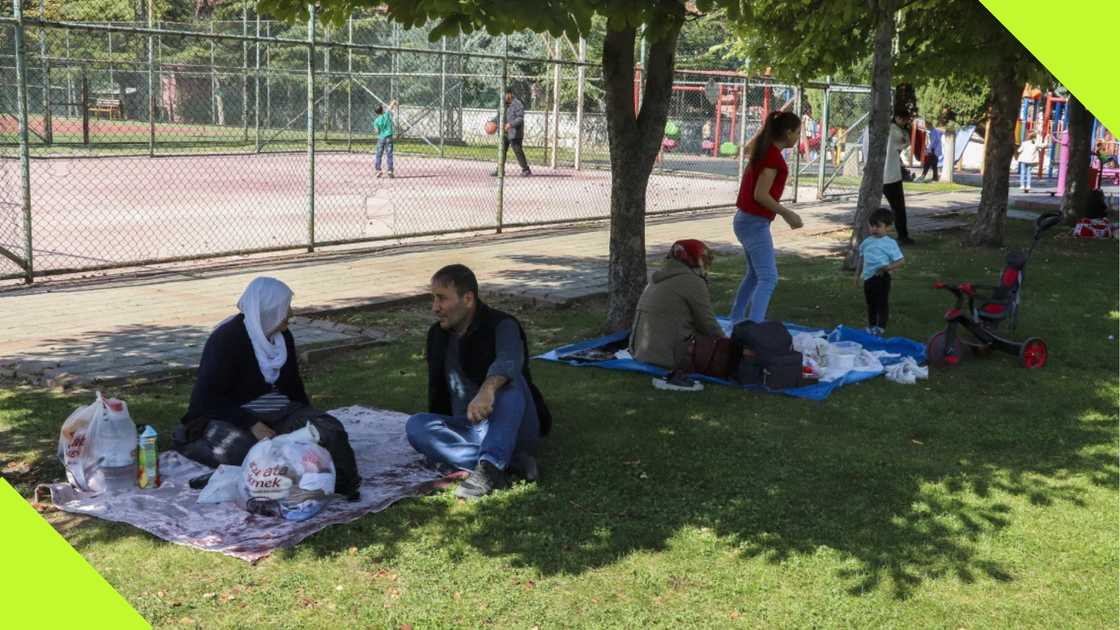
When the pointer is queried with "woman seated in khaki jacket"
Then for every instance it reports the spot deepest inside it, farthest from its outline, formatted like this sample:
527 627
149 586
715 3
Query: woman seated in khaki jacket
675 306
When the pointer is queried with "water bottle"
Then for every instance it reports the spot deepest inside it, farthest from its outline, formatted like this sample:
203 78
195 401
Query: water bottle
148 455
117 443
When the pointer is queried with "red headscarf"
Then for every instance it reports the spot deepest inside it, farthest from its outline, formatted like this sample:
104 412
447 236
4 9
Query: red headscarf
691 252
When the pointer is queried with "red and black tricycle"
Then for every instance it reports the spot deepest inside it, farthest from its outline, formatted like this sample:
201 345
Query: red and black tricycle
980 310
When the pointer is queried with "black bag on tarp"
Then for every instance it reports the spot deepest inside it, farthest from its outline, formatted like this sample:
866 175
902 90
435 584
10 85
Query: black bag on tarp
768 355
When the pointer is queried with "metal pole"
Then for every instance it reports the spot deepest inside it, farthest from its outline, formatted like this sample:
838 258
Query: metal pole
268 77
327 85
311 128
797 152
581 76
824 143
349 84
393 39
502 137
69 80
24 151
245 75
555 104
110 61
742 131
151 82
257 90
84 105
442 92
48 128
213 81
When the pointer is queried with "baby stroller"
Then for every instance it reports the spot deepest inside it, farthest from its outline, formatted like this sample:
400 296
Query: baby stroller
988 307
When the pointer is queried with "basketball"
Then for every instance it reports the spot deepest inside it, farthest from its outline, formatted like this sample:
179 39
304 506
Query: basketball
491 128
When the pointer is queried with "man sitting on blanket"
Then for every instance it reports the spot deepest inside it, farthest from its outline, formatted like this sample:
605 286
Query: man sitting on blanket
485 413
249 388
675 307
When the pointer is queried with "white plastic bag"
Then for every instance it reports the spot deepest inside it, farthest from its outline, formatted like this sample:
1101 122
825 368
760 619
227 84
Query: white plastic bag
97 445
222 486
291 469
73 443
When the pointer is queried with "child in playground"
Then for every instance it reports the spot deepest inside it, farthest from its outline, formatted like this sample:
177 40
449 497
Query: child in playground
1028 156
384 126
1103 156
879 256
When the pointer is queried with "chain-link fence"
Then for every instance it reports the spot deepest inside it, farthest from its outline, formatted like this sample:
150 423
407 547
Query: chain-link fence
172 141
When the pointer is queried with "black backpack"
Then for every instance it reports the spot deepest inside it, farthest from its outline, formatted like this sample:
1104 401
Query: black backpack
768 355
1096 207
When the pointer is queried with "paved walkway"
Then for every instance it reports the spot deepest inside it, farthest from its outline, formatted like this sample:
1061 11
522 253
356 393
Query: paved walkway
82 331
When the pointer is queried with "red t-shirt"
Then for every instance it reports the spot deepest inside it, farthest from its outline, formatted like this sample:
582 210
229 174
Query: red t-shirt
771 159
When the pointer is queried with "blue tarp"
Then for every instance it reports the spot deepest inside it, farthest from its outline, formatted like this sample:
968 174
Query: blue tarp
820 391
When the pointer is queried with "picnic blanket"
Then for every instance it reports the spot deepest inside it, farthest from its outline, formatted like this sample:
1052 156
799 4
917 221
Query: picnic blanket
819 391
391 470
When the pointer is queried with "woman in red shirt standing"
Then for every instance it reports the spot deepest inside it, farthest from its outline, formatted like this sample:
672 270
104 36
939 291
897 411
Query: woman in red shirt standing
761 188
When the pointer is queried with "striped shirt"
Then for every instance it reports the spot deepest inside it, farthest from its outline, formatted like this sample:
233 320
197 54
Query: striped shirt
271 404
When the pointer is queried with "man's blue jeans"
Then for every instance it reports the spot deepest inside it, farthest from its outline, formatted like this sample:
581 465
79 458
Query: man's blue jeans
512 426
384 145
761 278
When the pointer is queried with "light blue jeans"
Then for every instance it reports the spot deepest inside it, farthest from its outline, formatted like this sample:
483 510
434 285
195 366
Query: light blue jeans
513 425
384 145
1025 175
761 278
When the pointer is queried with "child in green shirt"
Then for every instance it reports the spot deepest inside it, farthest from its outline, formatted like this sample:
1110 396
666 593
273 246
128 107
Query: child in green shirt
384 126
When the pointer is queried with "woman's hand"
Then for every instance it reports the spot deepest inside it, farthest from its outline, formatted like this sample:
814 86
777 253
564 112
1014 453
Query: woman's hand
793 219
262 431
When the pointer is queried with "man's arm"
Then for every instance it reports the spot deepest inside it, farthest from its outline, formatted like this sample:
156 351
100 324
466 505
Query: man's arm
509 360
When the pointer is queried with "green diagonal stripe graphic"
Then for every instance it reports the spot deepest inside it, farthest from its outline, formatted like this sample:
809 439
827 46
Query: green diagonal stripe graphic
1076 41
47 583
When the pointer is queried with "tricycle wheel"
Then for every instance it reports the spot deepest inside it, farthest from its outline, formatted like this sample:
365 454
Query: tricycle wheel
1033 353
941 354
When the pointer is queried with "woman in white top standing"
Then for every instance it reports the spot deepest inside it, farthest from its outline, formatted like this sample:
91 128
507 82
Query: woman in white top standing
898 140
1028 155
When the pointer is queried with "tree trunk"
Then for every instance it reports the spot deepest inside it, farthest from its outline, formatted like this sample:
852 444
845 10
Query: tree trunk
634 143
1076 195
991 216
879 121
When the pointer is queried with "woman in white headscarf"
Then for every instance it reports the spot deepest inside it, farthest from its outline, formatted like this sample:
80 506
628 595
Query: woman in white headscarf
249 388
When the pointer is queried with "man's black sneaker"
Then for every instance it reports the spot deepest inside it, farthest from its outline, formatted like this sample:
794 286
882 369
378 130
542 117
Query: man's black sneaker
484 479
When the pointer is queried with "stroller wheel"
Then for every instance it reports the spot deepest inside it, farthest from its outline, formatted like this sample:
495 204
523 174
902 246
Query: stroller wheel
941 354
1033 353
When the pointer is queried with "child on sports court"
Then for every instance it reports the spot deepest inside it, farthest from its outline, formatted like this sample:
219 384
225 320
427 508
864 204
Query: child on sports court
384 126
879 256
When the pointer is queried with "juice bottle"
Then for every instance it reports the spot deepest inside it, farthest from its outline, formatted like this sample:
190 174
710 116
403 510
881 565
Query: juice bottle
147 471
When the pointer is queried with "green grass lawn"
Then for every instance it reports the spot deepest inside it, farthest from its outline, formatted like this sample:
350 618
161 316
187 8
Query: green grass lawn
984 497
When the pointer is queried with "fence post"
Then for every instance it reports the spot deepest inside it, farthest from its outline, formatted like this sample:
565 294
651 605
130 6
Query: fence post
349 84
502 137
442 93
70 111
822 150
581 76
555 102
245 75
151 82
311 128
742 131
257 88
84 87
327 84
797 151
48 127
213 80
24 156
268 77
